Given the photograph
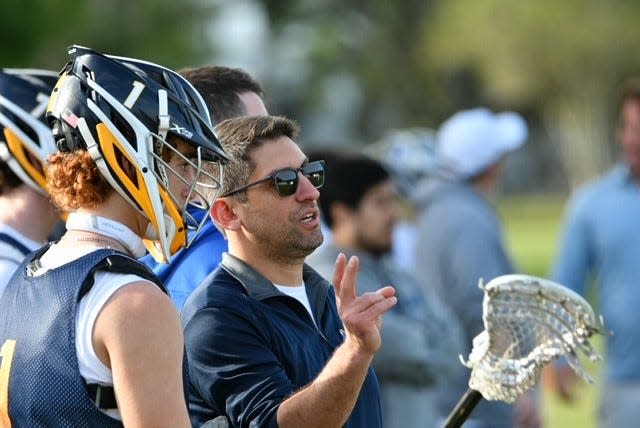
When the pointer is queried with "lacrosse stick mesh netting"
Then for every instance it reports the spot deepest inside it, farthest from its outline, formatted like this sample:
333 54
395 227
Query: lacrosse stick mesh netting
528 322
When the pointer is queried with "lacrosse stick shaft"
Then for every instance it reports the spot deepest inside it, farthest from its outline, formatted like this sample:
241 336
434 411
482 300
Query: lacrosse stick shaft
463 409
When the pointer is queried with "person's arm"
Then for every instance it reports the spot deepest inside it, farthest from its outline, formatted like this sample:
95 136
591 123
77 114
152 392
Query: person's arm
330 398
139 336
405 356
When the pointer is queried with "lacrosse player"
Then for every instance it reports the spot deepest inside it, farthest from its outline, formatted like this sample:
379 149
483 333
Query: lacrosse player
88 337
228 92
27 215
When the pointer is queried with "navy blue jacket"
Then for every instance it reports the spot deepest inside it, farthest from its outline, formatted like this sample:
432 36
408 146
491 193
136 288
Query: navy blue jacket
37 342
250 346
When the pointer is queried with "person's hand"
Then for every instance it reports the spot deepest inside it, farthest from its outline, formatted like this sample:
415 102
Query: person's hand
526 411
361 315
561 379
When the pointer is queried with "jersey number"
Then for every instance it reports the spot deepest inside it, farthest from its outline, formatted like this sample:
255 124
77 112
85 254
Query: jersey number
6 355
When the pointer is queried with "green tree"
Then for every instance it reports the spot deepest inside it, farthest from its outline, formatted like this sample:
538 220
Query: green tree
35 33
565 58
371 42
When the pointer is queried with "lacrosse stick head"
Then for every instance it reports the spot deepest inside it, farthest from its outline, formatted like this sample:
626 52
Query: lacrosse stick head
529 321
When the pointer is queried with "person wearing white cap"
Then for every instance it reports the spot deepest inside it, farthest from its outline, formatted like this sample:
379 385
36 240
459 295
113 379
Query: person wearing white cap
472 142
460 238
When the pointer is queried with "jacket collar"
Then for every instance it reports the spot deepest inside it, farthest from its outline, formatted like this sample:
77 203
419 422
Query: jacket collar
260 288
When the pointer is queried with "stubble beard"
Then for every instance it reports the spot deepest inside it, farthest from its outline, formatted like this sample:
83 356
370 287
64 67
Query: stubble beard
292 245
303 244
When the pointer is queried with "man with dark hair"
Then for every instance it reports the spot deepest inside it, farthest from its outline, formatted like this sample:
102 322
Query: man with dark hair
420 335
601 241
268 344
227 92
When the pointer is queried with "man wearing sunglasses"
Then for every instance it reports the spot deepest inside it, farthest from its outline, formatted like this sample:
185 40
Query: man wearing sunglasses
267 343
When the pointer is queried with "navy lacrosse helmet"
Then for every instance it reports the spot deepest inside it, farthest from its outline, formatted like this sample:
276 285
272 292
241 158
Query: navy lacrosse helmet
126 112
25 138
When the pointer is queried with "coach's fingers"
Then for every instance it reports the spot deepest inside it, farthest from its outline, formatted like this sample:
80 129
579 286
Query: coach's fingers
366 301
347 273
380 307
387 291
338 271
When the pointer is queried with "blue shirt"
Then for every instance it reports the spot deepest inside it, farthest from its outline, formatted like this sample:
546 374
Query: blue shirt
601 240
190 266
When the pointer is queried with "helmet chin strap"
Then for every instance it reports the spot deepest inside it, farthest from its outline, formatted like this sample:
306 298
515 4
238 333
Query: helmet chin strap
160 249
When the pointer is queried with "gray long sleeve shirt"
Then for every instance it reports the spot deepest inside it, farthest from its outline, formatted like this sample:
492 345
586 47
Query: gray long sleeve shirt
459 242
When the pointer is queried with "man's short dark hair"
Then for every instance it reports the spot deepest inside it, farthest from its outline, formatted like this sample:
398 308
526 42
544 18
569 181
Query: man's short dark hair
348 177
220 86
242 135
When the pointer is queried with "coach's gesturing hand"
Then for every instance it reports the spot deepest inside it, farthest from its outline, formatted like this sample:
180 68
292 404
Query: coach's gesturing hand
361 315
332 395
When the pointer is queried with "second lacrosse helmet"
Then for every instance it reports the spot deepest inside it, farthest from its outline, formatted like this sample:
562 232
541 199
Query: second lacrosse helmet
124 111
25 138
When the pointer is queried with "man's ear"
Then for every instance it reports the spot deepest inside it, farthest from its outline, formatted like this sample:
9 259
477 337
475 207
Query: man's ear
223 213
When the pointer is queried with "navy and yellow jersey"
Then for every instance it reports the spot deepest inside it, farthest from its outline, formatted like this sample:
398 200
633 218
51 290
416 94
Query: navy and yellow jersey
40 382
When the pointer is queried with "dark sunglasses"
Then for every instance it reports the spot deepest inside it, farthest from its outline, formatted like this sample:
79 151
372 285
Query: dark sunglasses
286 180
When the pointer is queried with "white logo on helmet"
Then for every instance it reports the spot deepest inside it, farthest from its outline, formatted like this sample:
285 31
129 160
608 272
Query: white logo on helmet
181 131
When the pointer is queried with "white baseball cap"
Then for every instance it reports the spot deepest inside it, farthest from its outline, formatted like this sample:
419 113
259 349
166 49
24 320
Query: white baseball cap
470 141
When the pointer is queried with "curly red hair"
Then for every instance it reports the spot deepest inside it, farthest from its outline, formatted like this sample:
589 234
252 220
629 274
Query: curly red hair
74 181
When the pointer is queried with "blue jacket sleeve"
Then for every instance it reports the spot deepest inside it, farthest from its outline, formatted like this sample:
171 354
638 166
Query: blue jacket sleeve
232 367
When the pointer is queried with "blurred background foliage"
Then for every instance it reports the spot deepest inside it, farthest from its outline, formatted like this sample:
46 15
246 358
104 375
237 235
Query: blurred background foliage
350 70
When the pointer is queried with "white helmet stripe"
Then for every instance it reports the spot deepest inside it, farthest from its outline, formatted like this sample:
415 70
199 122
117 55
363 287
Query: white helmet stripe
163 114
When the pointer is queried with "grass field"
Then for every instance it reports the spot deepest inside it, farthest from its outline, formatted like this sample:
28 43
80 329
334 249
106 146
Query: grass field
532 225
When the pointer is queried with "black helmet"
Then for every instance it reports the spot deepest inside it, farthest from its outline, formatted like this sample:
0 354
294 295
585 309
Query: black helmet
123 111
25 138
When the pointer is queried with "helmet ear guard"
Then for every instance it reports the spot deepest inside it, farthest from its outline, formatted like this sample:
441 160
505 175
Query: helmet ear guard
66 140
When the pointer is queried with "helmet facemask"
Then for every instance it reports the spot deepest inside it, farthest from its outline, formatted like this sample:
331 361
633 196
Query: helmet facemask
181 170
